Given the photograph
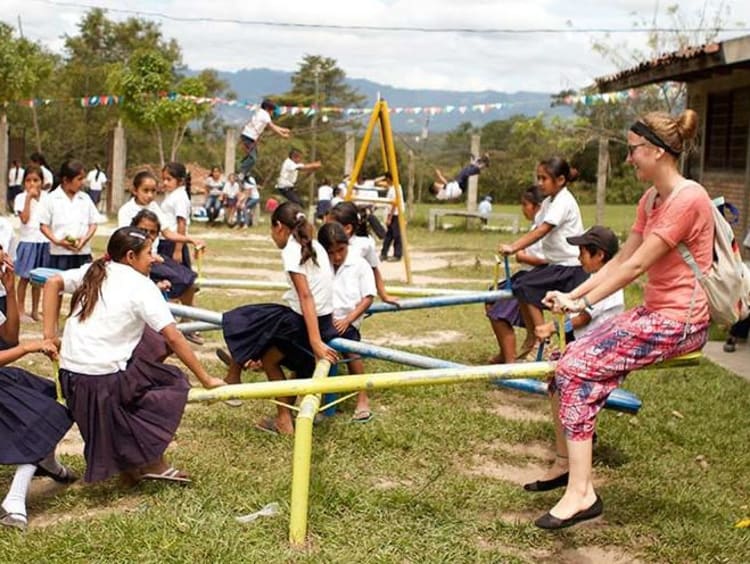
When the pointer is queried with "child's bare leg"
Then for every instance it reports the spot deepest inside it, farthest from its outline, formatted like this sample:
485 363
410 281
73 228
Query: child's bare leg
188 296
506 340
272 366
356 366
21 290
233 373
36 292
528 323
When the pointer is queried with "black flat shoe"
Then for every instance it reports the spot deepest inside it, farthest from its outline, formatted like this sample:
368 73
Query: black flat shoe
730 345
547 485
552 523
64 476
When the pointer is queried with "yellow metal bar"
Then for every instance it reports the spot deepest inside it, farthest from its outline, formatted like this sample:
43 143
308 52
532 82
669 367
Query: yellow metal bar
390 149
302 456
361 154
383 148
383 380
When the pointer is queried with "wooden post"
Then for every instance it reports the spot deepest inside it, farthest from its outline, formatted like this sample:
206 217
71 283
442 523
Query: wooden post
4 140
410 184
119 162
230 151
601 179
349 153
471 197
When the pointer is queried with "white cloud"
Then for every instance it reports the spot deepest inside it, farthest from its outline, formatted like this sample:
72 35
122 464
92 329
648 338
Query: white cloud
458 61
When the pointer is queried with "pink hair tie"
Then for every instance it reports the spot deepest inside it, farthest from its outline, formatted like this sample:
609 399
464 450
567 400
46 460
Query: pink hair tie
106 257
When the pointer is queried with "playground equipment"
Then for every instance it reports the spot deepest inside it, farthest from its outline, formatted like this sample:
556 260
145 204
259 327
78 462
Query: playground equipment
380 116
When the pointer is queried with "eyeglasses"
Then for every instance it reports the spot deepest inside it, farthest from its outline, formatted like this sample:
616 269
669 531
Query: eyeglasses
632 148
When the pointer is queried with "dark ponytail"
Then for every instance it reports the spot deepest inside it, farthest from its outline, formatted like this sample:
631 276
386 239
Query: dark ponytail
292 216
87 295
179 172
347 213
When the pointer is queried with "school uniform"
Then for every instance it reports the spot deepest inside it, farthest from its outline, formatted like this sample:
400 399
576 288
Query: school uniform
8 244
287 180
96 179
127 406
353 281
325 193
33 247
15 183
251 330
68 217
364 246
176 205
250 136
393 234
509 310
180 276
563 271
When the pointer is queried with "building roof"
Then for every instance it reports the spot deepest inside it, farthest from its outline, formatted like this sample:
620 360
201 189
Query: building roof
686 65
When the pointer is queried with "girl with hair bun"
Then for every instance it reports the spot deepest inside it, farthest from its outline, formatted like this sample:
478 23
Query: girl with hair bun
292 335
559 218
673 319
127 406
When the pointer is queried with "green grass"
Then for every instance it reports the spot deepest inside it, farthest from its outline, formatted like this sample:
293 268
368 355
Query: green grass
417 483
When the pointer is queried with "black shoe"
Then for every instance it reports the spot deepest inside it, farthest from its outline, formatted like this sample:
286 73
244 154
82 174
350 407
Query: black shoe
552 523
64 476
224 356
547 485
730 345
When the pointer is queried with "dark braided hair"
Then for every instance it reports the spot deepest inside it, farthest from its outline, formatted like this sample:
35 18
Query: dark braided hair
292 216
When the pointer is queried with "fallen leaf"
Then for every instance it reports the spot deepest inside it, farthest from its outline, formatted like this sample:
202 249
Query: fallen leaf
678 415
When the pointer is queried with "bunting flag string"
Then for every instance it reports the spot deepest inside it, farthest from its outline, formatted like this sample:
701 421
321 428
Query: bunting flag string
112 100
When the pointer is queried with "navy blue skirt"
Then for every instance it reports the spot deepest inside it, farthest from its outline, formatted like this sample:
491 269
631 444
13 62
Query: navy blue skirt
534 285
180 277
68 262
251 330
31 420
166 249
127 419
30 256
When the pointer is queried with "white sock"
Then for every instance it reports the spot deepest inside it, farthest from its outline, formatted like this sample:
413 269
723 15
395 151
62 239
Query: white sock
15 501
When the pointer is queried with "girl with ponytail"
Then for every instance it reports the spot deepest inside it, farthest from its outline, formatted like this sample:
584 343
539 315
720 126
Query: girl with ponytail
127 406
291 336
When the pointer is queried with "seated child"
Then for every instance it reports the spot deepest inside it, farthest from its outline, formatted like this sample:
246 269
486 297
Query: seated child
597 246
444 189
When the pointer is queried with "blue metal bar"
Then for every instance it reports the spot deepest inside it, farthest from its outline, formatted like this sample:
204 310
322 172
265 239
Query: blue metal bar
441 301
392 355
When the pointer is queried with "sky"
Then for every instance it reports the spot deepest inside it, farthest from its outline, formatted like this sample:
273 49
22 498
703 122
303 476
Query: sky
447 60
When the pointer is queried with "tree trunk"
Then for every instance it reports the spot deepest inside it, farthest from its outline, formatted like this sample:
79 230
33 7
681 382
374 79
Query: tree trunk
179 135
37 132
160 145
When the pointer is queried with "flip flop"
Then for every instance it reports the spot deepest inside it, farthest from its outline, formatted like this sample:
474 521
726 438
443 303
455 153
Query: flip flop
13 520
171 474
362 416
268 425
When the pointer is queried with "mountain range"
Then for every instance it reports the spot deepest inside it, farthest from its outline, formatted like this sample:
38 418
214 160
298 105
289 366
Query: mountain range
253 84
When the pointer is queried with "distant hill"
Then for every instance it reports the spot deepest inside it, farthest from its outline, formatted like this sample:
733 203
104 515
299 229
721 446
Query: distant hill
254 84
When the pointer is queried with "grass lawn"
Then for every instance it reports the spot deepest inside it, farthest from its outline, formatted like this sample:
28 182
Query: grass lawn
436 476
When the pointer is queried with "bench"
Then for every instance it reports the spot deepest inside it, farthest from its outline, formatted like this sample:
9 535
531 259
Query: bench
506 221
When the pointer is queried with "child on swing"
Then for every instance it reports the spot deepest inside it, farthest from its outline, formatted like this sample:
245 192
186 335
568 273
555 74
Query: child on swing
444 189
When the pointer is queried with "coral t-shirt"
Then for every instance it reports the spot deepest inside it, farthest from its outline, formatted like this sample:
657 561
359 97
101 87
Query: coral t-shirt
685 217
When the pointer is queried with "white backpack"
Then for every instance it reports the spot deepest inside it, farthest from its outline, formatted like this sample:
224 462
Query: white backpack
727 282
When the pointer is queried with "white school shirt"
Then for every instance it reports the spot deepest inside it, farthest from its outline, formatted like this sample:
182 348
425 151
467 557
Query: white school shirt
96 180
535 249
563 214
8 242
214 186
231 189
319 277
257 124
249 185
325 192
602 311
177 204
288 174
352 281
104 342
68 216
15 177
485 207
365 247
131 208
391 195
47 177
450 191
29 232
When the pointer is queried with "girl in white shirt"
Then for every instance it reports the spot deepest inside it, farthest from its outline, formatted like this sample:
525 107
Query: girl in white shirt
214 184
353 292
32 422
280 335
68 218
561 218
33 247
177 207
127 407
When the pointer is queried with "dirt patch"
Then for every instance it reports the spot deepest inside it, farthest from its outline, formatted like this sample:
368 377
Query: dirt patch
487 468
125 505
431 339
542 451
518 413
594 555
72 443
525 554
